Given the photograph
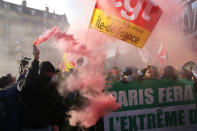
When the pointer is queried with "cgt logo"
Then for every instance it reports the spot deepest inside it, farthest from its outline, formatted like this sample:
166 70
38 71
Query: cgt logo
135 10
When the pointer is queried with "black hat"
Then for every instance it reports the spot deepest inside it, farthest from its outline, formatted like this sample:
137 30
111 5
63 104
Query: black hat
47 66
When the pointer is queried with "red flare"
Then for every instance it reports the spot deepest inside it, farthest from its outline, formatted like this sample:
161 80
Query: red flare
36 42
46 36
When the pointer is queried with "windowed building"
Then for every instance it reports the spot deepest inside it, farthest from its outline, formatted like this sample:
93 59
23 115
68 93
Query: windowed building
19 27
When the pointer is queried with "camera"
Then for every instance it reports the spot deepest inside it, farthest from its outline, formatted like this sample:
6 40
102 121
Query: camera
25 61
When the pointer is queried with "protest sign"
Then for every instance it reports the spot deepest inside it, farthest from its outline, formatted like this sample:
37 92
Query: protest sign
152 105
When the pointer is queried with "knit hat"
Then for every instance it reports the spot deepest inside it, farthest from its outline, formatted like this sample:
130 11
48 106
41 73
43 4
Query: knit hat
47 66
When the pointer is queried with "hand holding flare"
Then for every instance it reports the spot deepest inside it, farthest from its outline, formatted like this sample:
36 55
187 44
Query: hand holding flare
35 42
36 52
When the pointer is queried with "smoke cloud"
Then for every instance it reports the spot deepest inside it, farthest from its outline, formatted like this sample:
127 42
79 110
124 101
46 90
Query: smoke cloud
45 37
170 31
93 48
88 77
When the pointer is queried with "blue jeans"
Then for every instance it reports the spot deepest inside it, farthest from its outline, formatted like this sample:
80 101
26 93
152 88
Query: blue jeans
42 129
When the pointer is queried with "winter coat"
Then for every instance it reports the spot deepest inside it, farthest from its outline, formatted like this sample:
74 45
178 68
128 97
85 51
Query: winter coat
41 104
9 98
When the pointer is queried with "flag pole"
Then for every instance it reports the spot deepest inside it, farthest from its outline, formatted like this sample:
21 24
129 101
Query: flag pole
166 53
86 37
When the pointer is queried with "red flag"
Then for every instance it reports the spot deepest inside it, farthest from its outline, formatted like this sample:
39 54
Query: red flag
162 55
128 20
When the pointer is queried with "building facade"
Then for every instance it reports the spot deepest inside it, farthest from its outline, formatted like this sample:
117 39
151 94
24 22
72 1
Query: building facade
20 26
189 17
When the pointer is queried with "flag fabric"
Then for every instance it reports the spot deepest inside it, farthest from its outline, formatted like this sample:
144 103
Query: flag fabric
66 65
162 55
129 20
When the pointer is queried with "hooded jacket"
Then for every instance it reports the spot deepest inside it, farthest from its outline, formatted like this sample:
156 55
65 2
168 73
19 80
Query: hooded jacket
41 104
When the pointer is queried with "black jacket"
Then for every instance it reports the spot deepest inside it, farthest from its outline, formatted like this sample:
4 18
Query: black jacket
41 104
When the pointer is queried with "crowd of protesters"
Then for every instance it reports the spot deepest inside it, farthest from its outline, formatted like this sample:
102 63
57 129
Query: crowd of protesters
32 102
148 73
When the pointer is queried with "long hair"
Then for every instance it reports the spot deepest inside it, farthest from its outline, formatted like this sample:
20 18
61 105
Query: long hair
169 73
